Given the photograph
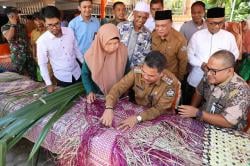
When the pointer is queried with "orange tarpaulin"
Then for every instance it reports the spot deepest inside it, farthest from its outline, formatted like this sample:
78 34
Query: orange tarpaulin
4 53
102 9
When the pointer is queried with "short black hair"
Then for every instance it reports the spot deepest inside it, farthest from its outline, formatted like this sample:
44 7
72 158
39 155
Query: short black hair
226 56
80 1
118 3
50 12
37 15
156 1
155 59
9 10
199 3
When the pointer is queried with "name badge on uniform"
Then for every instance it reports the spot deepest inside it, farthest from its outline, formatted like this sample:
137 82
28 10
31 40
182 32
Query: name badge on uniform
216 108
170 93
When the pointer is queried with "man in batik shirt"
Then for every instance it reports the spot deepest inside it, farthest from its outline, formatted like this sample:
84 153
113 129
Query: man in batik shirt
16 34
226 95
135 35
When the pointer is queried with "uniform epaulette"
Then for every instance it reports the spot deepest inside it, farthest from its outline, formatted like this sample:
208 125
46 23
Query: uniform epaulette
168 80
137 70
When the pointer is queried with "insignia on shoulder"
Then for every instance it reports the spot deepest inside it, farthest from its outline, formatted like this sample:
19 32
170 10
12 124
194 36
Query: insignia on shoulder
183 48
169 81
170 93
137 70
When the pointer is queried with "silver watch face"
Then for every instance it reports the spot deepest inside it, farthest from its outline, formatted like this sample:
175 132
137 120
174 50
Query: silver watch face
139 118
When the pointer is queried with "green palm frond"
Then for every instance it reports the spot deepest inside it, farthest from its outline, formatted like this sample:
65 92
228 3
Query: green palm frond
13 126
60 112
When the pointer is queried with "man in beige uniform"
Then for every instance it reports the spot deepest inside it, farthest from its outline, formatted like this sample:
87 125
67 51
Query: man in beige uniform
154 87
170 43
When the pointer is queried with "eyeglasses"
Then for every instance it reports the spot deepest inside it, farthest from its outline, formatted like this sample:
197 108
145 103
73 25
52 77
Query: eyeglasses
214 71
56 25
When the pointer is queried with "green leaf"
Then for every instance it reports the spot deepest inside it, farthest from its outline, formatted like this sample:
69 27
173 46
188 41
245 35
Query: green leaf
14 125
3 151
16 139
60 112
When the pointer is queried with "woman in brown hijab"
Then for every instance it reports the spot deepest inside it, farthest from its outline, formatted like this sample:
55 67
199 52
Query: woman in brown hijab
105 62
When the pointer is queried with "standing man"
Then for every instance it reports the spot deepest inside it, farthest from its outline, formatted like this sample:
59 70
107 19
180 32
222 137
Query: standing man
119 11
84 26
205 42
59 47
226 95
170 43
155 5
17 37
37 32
198 10
154 87
135 36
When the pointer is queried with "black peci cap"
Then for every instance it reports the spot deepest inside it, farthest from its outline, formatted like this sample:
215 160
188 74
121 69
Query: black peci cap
216 12
163 15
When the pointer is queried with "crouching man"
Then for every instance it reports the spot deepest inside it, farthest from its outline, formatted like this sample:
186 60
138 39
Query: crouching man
154 87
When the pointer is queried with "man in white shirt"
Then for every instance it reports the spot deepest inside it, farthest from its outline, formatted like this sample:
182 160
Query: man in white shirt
205 42
59 47
155 5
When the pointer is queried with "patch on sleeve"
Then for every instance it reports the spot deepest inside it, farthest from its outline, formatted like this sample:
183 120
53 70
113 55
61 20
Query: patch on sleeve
170 93
184 48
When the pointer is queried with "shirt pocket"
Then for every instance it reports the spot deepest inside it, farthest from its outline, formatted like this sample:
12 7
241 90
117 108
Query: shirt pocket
139 91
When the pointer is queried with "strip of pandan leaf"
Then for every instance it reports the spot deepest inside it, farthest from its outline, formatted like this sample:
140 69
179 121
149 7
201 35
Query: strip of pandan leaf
30 117
26 111
20 135
28 92
55 117
31 114
3 151
59 113
12 142
16 127
52 97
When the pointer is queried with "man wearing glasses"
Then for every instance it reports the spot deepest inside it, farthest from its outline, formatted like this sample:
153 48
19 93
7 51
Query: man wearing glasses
225 95
205 42
59 47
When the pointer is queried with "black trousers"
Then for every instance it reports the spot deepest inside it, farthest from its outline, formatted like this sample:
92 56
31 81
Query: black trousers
187 92
64 84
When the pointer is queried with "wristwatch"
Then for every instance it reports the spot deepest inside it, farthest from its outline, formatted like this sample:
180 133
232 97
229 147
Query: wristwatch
138 118
199 114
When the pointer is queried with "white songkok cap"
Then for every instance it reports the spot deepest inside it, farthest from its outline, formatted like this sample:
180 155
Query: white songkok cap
142 7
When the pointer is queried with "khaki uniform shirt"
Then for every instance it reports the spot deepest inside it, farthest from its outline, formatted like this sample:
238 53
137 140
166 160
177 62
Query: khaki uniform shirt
230 99
35 34
159 97
174 47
